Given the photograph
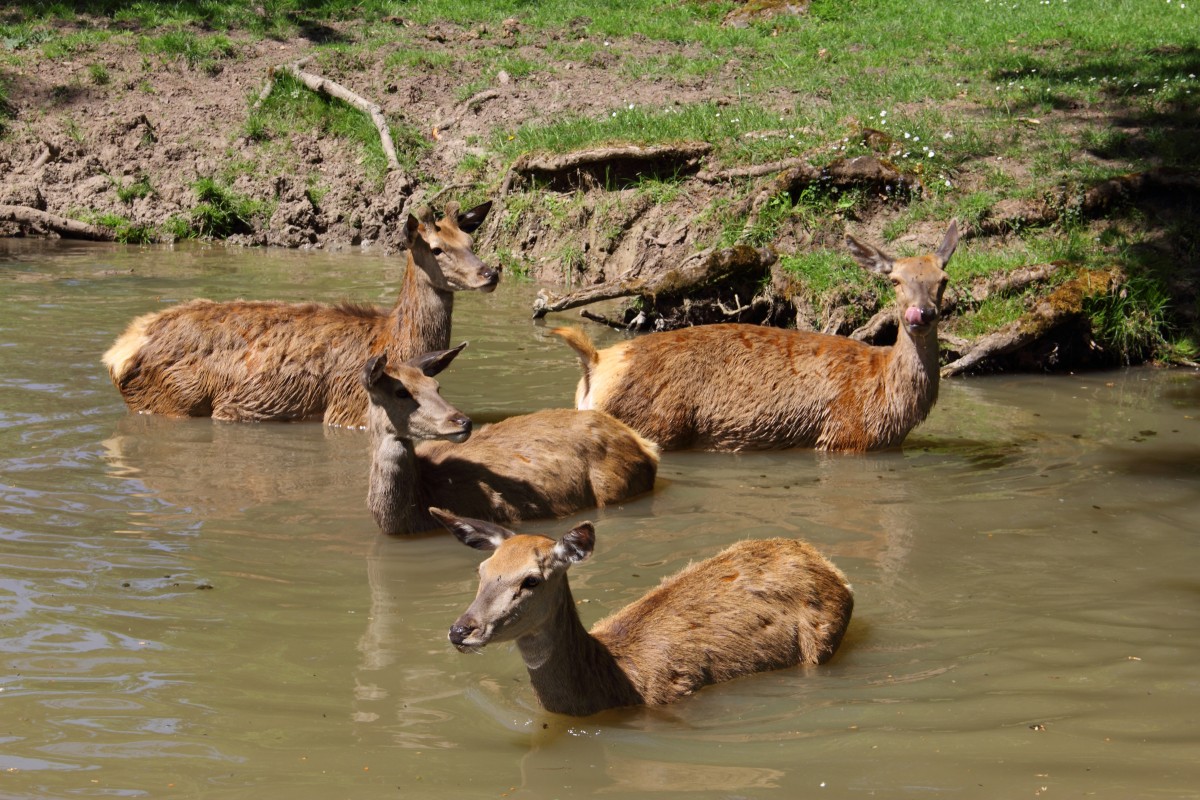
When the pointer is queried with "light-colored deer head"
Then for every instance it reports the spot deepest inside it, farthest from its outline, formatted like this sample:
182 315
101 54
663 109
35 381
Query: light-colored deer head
442 249
520 585
919 281
407 403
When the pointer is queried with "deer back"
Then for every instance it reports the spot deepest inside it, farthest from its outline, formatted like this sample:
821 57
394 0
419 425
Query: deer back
546 464
756 606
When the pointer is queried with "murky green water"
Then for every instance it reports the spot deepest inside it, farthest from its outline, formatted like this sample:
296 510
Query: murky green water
190 609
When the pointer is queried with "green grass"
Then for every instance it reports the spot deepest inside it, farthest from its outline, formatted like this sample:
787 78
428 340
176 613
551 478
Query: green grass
220 212
137 188
1068 92
7 112
1131 322
197 52
723 126
822 271
124 230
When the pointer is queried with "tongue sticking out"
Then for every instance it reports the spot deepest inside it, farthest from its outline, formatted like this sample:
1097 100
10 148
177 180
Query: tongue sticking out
912 315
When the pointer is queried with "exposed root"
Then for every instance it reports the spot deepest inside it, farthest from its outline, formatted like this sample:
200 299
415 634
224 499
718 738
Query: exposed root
1061 306
607 166
709 268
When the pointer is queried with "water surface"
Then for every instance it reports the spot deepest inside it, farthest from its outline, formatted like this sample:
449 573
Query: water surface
198 609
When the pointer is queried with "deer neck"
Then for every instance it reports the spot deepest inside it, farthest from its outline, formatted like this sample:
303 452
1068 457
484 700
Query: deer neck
913 371
391 495
421 316
572 671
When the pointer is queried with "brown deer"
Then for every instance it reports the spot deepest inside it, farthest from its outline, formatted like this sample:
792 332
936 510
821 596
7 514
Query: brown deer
740 387
263 360
756 606
546 464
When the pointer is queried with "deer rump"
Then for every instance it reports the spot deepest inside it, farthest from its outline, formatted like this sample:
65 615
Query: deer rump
249 360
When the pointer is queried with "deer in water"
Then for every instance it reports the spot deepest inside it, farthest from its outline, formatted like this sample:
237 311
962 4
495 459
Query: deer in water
756 606
547 464
739 387
264 360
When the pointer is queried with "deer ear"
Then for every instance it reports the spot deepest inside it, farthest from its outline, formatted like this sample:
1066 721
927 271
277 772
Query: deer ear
412 230
469 221
946 248
477 533
434 362
373 370
576 545
869 257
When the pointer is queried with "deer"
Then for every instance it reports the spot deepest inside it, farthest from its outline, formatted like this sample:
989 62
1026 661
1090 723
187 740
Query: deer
756 606
547 464
266 360
746 387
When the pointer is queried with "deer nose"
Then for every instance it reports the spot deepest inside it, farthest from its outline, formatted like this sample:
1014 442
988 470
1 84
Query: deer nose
462 421
459 633
490 274
915 315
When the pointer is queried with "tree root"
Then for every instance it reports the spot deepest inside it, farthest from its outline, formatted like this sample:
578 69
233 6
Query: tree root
711 267
1060 306
606 165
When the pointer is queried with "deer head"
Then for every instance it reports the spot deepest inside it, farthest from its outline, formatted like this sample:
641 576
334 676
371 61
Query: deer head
406 402
442 249
520 586
919 281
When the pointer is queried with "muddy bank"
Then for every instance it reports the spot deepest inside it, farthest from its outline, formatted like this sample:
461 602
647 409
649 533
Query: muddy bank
113 143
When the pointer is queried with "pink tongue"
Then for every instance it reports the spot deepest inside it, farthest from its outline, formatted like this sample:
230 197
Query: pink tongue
912 315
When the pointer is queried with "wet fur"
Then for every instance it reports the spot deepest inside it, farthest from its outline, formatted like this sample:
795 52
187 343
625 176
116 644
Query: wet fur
267 360
546 464
745 387
759 605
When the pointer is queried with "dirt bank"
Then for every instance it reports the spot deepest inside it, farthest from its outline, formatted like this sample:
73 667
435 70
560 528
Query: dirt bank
125 141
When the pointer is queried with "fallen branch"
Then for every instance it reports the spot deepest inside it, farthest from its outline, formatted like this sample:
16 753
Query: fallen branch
66 228
333 89
612 323
1014 281
470 104
49 152
710 267
445 190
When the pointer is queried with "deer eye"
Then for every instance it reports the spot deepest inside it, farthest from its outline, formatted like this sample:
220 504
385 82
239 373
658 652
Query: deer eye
402 393
531 582
437 251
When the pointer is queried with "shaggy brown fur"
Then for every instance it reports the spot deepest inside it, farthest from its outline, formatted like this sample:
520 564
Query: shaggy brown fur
758 605
250 361
545 464
740 387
